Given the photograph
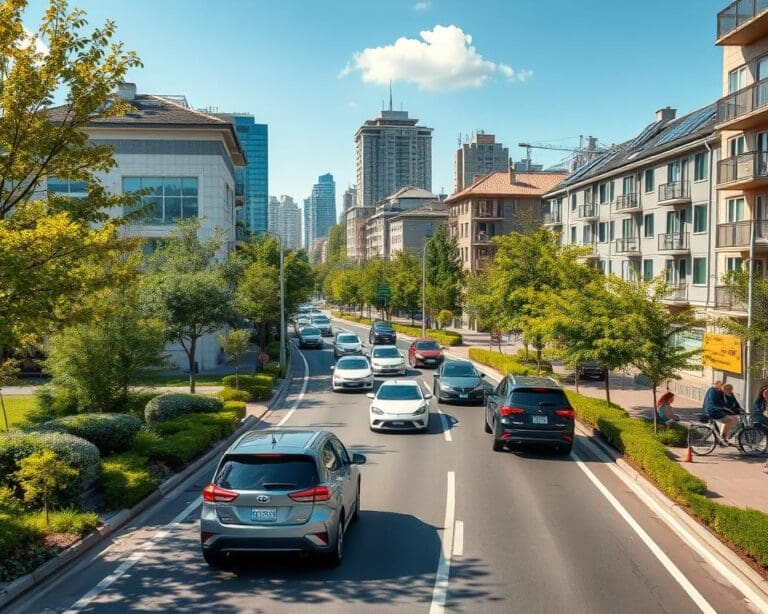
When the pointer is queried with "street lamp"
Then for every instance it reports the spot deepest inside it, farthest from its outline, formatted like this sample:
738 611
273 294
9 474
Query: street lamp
282 297
424 287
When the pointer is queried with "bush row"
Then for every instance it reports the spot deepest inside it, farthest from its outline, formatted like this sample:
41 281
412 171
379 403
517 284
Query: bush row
108 432
443 337
187 437
352 318
126 479
259 386
172 405
507 365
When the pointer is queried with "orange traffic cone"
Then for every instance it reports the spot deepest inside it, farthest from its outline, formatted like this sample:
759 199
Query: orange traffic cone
688 456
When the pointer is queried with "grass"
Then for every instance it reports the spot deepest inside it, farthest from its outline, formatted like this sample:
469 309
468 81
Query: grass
17 408
157 379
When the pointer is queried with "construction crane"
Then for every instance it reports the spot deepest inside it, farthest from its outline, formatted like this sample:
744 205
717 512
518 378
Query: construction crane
583 154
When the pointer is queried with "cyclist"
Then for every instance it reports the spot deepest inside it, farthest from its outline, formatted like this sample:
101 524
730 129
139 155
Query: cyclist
714 406
732 408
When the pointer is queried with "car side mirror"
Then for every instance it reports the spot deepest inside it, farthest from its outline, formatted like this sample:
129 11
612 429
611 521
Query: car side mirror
370 395
401 355
333 367
427 395
481 375
359 459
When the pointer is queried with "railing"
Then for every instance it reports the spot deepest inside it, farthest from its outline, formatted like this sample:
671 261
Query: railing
725 300
587 211
627 244
736 234
674 241
675 190
483 237
627 201
737 14
487 213
553 217
745 167
677 292
743 101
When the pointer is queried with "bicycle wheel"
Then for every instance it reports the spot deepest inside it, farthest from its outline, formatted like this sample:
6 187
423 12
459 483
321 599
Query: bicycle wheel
753 441
701 439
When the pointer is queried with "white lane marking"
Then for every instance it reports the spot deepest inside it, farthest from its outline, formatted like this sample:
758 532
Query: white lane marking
458 539
302 392
153 541
427 387
440 592
446 425
697 598
682 532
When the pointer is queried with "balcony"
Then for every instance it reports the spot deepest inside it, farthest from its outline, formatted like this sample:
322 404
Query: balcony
553 218
676 293
742 22
736 234
725 301
588 212
239 194
483 237
675 193
744 109
628 245
627 203
744 172
488 214
674 242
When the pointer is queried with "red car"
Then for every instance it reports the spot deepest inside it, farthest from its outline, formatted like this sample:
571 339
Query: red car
425 353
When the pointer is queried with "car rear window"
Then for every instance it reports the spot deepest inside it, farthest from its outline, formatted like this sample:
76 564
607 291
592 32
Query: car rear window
266 472
532 396
353 363
427 345
348 339
320 320
384 328
459 370
310 331
399 393
386 353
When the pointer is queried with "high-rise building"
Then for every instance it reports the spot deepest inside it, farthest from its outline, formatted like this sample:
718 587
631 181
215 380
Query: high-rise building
273 211
254 177
347 202
391 152
322 207
305 239
289 222
482 155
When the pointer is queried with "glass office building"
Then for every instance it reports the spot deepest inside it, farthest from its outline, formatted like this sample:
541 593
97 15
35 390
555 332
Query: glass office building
254 140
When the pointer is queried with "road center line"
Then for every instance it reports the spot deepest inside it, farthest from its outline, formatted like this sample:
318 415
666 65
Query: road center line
440 592
446 425
458 539
673 570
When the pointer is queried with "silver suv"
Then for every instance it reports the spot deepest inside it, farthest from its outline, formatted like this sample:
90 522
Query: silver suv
281 490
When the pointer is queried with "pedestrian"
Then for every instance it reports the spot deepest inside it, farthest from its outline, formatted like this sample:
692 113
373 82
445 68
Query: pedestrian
663 407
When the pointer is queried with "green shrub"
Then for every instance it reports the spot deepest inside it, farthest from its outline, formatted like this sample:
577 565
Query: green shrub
259 386
126 480
237 407
273 349
53 402
507 365
274 369
673 435
14 533
174 404
108 432
144 442
186 438
232 394
62 521
137 401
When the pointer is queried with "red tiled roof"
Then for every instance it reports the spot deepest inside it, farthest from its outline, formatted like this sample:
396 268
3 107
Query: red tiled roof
497 184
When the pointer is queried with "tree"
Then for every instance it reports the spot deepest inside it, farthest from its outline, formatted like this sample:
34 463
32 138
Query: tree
337 244
8 370
404 273
737 283
444 271
236 343
258 296
48 243
190 289
41 476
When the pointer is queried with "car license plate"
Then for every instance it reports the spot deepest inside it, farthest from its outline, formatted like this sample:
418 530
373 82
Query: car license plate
398 423
464 396
429 361
264 514
539 419
354 384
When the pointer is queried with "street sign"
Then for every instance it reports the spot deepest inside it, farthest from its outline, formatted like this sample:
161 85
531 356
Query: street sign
722 352
263 358
383 292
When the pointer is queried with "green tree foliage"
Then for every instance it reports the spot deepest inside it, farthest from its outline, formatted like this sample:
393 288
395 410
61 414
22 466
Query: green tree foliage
404 277
236 343
337 243
738 284
444 271
41 476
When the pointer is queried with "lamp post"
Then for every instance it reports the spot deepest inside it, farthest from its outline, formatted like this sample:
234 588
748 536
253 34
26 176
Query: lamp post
424 287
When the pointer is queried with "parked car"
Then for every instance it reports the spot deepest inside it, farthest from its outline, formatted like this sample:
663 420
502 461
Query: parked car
322 322
345 344
382 332
425 353
281 490
459 381
529 410
387 360
352 373
591 369
399 405
301 319
310 337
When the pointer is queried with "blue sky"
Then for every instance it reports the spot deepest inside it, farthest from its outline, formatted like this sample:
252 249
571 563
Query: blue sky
591 67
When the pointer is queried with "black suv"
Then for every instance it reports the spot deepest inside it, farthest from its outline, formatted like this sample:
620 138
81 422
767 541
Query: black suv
529 410
591 369
382 332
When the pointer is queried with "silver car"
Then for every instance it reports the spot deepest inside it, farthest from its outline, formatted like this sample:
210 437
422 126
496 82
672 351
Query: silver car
281 490
345 344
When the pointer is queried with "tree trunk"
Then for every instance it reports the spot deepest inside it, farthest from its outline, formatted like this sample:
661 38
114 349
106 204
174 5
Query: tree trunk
5 415
237 383
45 509
655 417
538 360
608 387
191 356
576 379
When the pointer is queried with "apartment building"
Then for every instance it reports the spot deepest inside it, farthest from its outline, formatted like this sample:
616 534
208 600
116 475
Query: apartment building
356 217
410 229
497 204
482 155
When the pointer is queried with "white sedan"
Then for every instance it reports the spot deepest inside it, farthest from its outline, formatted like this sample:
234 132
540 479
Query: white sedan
352 373
399 405
387 360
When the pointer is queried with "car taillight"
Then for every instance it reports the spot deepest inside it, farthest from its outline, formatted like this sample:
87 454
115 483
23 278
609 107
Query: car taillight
215 494
506 410
566 413
318 493
205 536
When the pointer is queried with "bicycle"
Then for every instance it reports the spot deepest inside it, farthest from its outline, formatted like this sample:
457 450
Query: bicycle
703 438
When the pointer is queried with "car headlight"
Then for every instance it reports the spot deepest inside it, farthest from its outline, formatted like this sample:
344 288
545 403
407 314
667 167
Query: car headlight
419 356
377 411
479 386
421 409
447 388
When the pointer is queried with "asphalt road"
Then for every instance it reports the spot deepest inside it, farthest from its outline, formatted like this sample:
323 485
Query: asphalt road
445 521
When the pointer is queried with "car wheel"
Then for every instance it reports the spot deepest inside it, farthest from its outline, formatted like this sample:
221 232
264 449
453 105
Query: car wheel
213 559
356 515
337 554
488 429
498 444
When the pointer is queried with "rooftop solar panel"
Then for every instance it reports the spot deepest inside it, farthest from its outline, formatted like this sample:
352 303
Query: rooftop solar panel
650 131
589 167
688 125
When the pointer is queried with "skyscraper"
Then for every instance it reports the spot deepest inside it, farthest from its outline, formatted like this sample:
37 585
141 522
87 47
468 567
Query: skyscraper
348 200
273 213
307 223
289 222
482 155
392 152
322 207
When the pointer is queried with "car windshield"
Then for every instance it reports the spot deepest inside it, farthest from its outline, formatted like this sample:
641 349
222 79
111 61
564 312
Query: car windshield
320 320
255 472
352 363
348 339
427 345
383 328
399 393
459 369
386 353
309 331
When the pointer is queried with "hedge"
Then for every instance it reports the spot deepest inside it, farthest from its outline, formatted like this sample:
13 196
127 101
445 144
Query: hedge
171 405
352 318
108 432
274 369
126 480
187 437
443 337
259 386
232 394
236 407
273 349
507 365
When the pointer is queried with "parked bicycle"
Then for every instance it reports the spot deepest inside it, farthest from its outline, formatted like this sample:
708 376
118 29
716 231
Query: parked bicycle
704 437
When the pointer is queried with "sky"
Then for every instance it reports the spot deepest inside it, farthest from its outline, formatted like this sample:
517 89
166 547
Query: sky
543 71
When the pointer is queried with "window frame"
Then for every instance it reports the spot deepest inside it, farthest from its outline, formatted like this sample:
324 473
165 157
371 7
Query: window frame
702 156
649 173
694 260
646 218
705 217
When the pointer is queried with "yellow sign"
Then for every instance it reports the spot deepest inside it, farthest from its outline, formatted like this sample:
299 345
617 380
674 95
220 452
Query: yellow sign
722 352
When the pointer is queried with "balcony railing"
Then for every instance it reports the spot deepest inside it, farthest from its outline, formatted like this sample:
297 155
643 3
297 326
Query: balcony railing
487 213
738 14
627 244
674 241
675 190
725 300
747 167
586 211
627 201
553 217
483 237
736 234
743 102
677 292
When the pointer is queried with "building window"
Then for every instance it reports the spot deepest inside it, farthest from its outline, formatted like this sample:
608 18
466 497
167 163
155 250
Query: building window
648 225
628 185
66 187
649 180
735 209
736 79
732 264
647 270
573 202
602 232
611 231
700 271
736 146
573 234
673 171
603 192
167 199
700 218
701 166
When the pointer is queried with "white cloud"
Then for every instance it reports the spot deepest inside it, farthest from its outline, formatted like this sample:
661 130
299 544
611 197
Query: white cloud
444 59
423 5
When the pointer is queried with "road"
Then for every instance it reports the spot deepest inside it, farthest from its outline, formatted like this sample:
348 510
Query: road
446 525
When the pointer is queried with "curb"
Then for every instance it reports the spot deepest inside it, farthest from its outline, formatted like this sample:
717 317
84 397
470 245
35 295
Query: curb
21 585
